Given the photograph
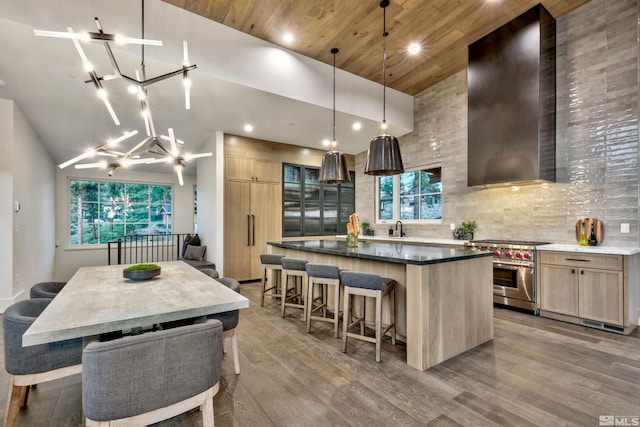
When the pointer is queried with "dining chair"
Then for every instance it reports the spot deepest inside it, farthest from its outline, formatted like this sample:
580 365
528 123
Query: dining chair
147 378
36 364
368 285
46 289
229 321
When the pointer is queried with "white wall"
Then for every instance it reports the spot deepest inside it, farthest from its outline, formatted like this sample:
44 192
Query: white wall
27 177
69 259
210 203
34 224
6 196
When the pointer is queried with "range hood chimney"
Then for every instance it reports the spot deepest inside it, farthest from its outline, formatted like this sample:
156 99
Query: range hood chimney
512 104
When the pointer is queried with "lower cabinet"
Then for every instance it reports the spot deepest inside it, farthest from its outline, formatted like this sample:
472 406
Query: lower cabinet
584 286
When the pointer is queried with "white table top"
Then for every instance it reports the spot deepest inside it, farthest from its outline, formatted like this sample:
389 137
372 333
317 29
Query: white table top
98 300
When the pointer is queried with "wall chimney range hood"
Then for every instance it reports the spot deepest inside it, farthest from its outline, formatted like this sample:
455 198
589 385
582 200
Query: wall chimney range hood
512 106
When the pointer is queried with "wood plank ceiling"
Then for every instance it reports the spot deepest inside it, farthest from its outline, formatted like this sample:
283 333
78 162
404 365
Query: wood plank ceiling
443 28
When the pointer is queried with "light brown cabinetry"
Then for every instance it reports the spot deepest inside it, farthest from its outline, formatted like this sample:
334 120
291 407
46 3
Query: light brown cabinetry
252 214
590 289
255 170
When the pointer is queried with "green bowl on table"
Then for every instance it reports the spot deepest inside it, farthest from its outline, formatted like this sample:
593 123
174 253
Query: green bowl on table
141 272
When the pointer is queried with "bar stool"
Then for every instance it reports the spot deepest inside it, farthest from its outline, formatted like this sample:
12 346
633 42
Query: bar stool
295 268
373 286
325 276
271 262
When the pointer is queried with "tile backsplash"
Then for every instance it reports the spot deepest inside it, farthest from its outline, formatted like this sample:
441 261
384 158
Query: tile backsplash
597 152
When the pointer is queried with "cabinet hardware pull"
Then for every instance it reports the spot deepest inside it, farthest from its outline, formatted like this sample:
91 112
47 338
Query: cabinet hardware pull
253 230
573 271
248 230
576 259
581 271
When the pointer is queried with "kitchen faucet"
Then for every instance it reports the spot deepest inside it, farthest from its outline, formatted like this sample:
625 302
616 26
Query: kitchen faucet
401 233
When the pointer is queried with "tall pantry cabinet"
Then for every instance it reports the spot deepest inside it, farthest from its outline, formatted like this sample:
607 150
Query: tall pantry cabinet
252 212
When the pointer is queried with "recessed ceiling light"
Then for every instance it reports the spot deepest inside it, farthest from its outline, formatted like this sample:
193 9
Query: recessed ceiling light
248 128
326 142
356 125
132 89
413 49
287 37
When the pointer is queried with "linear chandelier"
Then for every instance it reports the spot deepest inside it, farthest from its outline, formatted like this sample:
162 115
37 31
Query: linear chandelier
138 81
151 144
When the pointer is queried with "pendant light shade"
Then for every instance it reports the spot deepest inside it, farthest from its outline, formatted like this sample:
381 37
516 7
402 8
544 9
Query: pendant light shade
334 163
383 157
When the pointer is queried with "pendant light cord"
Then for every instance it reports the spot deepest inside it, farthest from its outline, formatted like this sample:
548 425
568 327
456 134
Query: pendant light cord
383 5
144 74
334 143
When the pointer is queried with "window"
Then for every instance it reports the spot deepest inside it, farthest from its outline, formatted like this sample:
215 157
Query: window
411 196
310 208
104 211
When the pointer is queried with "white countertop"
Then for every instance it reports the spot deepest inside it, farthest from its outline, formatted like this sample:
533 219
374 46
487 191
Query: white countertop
610 250
416 240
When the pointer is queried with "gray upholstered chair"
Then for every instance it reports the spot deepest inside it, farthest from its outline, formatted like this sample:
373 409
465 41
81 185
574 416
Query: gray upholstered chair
34 364
295 296
210 272
325 276
229 321
372 286
271 262
46 289
147 378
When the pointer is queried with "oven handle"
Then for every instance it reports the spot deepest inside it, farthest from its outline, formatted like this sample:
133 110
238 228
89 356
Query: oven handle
514 264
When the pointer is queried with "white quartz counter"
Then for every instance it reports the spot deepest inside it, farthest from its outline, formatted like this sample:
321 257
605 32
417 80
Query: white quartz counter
610 250
409 240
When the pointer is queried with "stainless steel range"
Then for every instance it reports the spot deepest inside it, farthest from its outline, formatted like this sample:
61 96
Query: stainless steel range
513 271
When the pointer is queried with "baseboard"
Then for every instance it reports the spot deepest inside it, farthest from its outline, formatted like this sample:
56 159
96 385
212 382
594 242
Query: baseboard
6 302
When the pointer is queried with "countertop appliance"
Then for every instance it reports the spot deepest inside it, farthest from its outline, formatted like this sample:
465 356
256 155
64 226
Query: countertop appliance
514 264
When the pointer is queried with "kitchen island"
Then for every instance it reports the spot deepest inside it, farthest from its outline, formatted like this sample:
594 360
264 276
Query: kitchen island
444 295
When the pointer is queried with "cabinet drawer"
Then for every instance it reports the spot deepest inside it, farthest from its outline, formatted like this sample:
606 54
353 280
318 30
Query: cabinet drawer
575 259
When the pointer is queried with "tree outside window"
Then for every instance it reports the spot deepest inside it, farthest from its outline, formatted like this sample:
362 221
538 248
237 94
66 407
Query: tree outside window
411 196
104 211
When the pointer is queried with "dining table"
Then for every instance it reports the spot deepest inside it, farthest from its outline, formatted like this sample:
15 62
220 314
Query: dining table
99 300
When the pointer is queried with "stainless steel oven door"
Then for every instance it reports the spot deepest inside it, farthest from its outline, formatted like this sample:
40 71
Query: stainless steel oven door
513 285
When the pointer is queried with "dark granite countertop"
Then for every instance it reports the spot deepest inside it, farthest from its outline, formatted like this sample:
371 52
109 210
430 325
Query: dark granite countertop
388 252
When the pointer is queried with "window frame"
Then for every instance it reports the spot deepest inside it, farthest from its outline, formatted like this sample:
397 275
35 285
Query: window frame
396 198
149 204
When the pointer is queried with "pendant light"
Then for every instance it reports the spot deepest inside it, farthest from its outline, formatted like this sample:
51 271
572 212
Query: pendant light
334 163
383 157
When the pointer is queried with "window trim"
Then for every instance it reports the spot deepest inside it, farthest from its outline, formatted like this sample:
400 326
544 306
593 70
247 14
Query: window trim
396 199
69 245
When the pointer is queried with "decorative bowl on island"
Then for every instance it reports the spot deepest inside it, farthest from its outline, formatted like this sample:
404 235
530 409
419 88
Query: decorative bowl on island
141 272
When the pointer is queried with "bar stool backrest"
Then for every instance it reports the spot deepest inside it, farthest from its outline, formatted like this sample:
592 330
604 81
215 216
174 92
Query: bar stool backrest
361 280
324 271
271 259
294 264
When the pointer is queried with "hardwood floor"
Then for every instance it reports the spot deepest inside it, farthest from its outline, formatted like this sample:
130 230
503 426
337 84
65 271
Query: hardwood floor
536 372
